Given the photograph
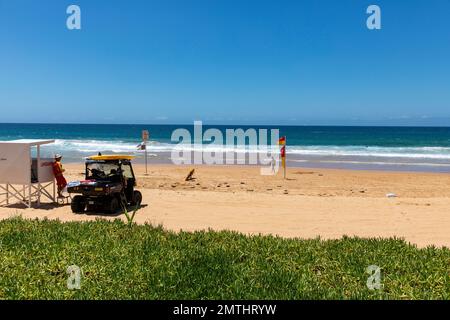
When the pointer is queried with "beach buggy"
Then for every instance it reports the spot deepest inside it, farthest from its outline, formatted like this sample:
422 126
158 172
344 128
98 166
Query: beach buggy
108 186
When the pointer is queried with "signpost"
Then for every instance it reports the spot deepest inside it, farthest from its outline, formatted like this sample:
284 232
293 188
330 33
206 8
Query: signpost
145 137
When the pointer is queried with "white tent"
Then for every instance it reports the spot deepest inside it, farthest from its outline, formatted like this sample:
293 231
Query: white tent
23 177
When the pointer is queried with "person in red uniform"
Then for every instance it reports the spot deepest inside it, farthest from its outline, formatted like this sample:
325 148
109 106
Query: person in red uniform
58 172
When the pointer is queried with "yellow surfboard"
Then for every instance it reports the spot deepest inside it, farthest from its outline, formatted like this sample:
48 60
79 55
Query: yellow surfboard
111 157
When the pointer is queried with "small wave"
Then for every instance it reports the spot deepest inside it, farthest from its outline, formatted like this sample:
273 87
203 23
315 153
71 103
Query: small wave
375 163
94 146
441 153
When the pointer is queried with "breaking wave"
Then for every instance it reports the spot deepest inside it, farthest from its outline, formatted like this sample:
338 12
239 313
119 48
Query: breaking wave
85 147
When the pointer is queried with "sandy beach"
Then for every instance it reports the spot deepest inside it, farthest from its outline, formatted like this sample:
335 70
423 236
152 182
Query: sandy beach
309 203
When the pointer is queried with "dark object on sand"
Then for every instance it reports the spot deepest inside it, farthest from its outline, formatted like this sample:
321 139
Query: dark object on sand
190 177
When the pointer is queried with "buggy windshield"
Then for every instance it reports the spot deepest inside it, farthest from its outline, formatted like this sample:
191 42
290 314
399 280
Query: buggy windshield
101 170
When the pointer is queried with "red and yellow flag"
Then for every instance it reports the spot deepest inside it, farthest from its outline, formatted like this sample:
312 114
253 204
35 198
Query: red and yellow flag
282 141
283 158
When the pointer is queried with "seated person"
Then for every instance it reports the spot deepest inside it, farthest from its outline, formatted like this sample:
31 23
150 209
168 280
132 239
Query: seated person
114 175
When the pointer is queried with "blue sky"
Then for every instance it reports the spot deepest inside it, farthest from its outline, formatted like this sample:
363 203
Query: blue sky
228 61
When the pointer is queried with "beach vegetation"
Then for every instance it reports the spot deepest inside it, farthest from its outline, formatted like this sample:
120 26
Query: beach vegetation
122 261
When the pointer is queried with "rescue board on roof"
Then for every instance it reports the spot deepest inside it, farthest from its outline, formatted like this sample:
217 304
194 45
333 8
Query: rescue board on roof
111 157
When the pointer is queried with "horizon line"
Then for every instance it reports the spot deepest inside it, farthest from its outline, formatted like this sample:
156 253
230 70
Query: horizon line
225 124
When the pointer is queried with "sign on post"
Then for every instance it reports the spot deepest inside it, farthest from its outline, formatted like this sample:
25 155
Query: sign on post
145 137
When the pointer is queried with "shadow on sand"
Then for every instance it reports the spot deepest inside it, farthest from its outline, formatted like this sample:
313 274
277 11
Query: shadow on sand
52 206
43 206
102 214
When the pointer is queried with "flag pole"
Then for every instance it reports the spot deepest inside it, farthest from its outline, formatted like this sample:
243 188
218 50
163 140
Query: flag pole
145 137
285 144
145 146
282 142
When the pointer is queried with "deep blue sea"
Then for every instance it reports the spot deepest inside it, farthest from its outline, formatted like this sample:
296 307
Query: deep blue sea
384 148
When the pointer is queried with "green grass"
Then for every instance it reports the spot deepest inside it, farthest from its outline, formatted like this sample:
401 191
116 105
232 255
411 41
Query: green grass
146 262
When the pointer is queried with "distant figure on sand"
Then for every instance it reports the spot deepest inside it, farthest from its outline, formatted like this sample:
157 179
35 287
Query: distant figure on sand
58 172
272 164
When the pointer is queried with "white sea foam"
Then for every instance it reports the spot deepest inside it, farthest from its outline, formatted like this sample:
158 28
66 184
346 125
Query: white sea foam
384 152
93 146
425 164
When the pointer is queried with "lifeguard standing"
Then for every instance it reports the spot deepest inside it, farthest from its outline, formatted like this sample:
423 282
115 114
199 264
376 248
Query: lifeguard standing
58 172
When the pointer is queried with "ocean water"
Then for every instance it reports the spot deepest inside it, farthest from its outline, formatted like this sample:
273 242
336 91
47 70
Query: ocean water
381 148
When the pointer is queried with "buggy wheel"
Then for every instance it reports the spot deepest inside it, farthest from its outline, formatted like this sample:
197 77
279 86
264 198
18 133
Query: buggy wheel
137 198
78 204
112 206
